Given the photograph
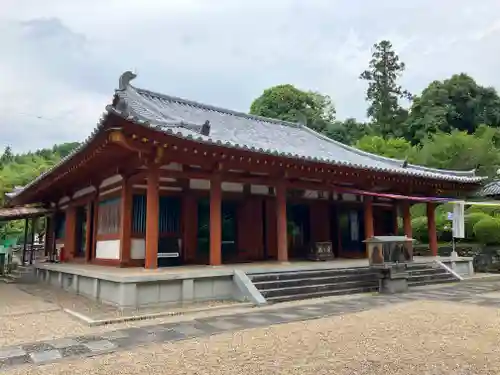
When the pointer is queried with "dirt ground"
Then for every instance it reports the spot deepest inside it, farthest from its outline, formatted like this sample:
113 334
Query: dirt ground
412 338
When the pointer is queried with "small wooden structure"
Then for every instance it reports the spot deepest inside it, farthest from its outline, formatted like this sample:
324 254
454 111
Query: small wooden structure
27 213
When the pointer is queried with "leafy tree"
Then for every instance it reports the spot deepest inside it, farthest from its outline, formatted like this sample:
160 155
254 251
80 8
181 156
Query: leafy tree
487 231
455 103
397 148
7 156
383 92
461 151
286 102
347 131
19 169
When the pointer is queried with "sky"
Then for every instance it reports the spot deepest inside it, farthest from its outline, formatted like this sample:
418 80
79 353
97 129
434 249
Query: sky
61 59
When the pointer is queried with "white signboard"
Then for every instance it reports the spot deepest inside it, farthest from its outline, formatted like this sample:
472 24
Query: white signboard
450 216
458 219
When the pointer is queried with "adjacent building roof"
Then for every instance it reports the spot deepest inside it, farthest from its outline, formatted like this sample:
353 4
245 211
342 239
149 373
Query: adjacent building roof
490 189
15 213
189 119
213 125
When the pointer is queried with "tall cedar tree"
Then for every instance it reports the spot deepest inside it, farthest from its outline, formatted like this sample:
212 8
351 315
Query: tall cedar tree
383 92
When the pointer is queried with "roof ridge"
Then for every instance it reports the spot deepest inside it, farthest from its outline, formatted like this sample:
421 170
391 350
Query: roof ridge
214 108
396 162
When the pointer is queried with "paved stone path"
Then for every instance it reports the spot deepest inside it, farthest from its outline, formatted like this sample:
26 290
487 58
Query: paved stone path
480 293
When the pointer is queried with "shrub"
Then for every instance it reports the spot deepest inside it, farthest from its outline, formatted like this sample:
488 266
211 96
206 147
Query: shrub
488 210
419 229
472 219
487 231
443 228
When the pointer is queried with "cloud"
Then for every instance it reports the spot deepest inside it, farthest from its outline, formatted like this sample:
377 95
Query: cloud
64 58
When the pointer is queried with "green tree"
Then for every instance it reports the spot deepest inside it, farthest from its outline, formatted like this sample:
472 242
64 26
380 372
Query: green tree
397 148
461 151
383 92
286 102
7 156
455 103
347 131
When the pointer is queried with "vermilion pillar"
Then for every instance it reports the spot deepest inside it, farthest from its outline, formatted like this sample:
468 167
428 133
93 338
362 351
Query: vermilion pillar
88 233
70 233
431 225
215 221
282 222
152 218
369 227
407 219
368 218
126 223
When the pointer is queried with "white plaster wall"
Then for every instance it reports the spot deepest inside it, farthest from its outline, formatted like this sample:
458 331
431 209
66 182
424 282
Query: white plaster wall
172 167
349 197
259 189
104 193
138 248
199 184
310 194
111 180
84 191
108 249
232 186
63 200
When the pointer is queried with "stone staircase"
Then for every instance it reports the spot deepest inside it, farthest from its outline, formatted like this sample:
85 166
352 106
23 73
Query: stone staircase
303 284
428 274
20 274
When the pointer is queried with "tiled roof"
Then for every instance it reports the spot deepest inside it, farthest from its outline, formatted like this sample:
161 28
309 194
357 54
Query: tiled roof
22 212
185 118
490 189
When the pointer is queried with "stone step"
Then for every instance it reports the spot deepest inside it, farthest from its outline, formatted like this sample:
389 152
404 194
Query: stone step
305 274
428 272
319 294
317 288
433 279
317 280
422 283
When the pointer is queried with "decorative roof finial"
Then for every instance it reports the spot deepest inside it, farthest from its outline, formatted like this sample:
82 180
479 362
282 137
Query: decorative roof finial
405 163
125 79
205 128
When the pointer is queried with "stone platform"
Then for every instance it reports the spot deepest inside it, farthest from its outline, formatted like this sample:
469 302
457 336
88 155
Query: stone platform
138 287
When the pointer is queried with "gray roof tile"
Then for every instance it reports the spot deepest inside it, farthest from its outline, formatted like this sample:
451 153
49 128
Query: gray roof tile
235 129
491 189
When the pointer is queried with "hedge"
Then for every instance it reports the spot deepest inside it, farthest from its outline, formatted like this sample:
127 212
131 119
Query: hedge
487 231
472 219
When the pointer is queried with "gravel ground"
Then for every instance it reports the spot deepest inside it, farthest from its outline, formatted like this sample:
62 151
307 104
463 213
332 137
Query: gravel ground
412 338
27 318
